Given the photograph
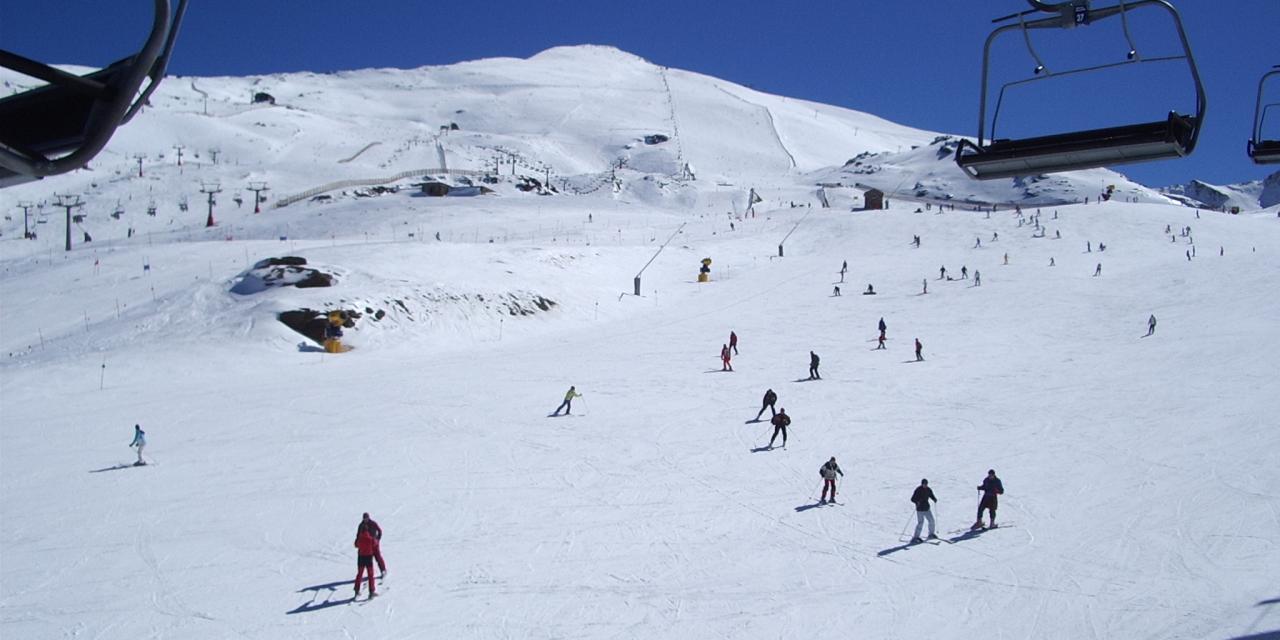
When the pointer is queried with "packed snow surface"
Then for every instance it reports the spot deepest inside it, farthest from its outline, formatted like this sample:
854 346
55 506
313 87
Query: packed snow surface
1139 472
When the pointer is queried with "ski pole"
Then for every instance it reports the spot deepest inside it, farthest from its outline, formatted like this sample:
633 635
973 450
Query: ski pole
904 527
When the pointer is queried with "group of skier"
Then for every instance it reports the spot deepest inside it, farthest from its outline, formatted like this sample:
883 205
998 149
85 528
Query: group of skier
991 488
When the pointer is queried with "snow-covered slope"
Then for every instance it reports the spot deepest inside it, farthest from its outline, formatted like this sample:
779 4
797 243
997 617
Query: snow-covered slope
1137 469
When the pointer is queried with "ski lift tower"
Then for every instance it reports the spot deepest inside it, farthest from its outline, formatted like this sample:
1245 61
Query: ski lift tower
26 229
257 188
69 202
210 189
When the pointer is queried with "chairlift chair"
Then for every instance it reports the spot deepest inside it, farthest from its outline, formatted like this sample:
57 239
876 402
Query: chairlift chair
1263 151
1171 137
60 126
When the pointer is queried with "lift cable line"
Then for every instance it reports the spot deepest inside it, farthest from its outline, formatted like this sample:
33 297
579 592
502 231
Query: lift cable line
1174 136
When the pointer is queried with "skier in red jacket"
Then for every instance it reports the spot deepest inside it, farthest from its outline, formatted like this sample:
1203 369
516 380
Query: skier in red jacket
369 523
365 545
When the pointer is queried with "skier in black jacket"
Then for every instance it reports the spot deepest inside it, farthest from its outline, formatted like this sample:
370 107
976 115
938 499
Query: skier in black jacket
828 472
921 497
780 423
990 488
769 399
813 366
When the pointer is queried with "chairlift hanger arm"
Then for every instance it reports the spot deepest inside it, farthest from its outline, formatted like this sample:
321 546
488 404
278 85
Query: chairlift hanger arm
1057 22
1260 150
1259 109
161 64
114 98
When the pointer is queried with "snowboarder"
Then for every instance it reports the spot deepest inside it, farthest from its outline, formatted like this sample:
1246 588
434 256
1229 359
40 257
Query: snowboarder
780 423
919 348
921 497
769 399
843 268
942 273
724 358
871 291
365 544
977 278
369 524
567 405
733 342
964 272
828 473
990 488
139 441
813 366
1151 324
1098 270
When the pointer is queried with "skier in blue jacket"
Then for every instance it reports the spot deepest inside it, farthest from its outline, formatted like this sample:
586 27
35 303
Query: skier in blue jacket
139 441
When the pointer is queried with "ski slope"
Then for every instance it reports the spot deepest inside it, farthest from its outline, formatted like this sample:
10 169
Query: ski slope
1138 470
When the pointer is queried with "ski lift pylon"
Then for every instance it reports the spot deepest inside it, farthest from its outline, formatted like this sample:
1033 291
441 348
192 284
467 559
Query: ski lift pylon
1261 150
60 126
1171 137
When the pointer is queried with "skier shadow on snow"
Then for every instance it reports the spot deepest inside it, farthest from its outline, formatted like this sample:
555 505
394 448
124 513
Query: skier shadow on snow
1265 635
116 467
968 535
326 590
902 547
309 348
812 505
762 449
805 379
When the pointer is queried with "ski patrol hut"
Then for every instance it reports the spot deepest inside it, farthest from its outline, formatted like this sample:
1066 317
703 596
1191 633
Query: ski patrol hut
872 199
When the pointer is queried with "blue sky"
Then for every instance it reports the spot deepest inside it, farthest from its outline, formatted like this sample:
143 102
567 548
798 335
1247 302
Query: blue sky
913 62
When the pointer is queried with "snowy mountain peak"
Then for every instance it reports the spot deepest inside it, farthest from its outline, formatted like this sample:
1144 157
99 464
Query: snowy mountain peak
1244 196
